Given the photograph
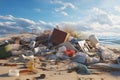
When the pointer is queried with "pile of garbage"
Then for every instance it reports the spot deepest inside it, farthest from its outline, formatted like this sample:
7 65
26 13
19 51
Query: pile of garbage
57 46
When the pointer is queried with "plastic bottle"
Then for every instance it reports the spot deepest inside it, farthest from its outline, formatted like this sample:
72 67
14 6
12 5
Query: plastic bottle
30 65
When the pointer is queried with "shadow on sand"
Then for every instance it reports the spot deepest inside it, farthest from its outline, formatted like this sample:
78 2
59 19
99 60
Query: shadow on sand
4 75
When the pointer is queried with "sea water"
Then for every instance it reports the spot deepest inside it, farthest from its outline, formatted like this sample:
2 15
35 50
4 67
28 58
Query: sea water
109 40
2 36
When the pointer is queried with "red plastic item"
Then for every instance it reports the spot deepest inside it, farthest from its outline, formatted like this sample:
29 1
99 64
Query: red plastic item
70 53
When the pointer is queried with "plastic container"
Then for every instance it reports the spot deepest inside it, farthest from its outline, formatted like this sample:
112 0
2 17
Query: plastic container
13 72
62 49
36 50
93 39
30 65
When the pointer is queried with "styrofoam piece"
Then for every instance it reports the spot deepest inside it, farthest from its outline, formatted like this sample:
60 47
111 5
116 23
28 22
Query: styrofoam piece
13 72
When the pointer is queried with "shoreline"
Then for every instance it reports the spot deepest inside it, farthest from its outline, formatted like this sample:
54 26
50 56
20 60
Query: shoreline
113 46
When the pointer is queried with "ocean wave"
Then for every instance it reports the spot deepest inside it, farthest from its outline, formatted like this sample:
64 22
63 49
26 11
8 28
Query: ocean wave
110 40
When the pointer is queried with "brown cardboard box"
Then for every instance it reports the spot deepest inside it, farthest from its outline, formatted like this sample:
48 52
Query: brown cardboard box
58 36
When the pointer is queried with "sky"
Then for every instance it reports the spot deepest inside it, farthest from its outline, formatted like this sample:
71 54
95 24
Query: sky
100 17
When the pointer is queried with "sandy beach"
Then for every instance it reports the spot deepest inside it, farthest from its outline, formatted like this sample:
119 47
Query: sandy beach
63 75
59 75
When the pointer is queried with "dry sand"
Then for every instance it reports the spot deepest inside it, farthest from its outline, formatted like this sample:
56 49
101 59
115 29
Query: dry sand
62 75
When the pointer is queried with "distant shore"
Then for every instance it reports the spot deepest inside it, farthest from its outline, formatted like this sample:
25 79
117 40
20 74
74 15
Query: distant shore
7 37
113 46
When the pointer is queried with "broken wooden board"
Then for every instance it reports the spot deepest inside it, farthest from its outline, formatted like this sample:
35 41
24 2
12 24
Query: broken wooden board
108 66
26 72
11 64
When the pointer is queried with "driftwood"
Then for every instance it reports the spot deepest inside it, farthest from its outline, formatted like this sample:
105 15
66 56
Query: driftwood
26 72
10 64
105 66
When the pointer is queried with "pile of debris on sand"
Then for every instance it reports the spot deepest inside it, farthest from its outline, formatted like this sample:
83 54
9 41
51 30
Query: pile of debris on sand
51 48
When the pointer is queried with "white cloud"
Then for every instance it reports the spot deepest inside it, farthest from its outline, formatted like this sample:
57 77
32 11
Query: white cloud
117 8
100 16
103 22
14 25
22 22
64 13
64 6
42 22
98 22
41 26
37 10
17 25
98 11
7 24
7 17
106 4
45 25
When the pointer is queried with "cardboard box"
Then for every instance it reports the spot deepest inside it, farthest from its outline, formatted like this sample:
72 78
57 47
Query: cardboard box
58 36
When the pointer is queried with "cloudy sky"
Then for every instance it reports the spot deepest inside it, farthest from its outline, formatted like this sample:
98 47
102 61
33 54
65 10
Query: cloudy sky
100 17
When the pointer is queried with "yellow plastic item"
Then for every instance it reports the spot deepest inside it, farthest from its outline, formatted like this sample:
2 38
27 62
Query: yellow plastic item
7 47
30 65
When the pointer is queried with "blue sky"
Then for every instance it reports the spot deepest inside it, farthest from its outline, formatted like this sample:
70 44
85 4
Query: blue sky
100 17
